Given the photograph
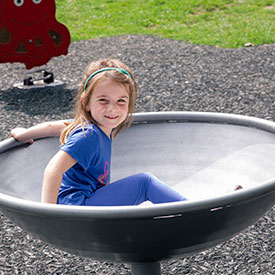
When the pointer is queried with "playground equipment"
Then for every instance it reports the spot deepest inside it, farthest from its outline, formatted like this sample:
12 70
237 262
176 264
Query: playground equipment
194 152
30 34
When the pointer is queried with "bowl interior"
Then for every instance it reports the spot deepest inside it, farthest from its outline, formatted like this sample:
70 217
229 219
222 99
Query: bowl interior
198 159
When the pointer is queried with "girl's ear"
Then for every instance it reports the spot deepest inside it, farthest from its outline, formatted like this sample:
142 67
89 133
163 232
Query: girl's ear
82 100
86 106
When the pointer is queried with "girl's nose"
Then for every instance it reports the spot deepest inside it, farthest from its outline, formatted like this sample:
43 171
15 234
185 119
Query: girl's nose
112 106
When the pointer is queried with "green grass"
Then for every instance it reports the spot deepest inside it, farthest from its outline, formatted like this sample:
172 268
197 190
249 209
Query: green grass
223 23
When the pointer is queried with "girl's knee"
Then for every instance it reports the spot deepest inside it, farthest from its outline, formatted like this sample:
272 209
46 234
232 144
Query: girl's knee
145 177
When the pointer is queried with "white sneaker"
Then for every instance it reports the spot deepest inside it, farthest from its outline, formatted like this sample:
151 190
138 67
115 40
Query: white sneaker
146 203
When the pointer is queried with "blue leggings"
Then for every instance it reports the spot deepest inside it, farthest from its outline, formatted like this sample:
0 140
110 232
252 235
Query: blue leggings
134 190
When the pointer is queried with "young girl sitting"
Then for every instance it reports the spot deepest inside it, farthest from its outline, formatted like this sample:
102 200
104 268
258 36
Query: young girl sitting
79 173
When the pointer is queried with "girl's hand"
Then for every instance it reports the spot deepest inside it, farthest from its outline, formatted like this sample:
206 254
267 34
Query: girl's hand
20 134
41 130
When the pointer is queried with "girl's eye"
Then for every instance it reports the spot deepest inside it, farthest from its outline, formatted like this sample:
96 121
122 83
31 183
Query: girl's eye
122 101
103 100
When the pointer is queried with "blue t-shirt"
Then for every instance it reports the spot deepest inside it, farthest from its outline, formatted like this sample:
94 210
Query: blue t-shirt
91 149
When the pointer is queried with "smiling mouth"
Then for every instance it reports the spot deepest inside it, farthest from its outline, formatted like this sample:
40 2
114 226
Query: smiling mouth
111 117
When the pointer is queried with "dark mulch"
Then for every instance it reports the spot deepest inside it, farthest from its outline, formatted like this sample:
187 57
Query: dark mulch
172 76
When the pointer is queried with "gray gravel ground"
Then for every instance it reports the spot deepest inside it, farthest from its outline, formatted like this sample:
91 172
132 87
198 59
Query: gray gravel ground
172 76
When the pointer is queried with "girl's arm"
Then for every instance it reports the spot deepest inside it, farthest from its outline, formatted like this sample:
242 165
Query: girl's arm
58 165
45 129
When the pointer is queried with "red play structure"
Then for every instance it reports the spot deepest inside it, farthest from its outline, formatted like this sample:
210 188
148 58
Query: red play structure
30 33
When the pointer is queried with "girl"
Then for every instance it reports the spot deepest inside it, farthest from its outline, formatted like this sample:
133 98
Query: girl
79 173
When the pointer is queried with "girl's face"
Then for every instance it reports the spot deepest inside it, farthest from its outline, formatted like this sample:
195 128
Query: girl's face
108 104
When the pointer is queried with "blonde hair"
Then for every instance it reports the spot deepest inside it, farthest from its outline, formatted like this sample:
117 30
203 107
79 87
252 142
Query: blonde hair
84 117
